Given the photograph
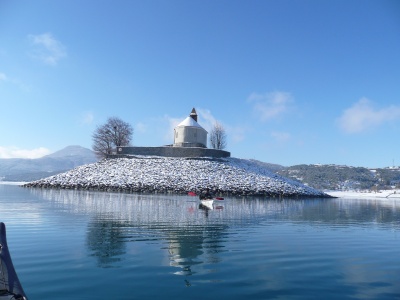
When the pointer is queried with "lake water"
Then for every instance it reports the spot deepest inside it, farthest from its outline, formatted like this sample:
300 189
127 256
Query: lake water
96 245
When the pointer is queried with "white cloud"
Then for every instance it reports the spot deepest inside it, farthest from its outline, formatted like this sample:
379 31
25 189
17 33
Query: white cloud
140 127
281 136
362 116
270 105
3 77
206 119
87 118
237 133
169 129
9 80
14 152
47 49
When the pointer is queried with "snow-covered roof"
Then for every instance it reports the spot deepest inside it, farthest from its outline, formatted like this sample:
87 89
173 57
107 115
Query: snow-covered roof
189 122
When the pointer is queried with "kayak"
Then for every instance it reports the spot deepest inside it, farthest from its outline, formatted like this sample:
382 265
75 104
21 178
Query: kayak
207 203
10 287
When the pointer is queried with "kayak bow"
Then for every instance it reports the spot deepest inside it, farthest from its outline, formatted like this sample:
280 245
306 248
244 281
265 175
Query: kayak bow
10 287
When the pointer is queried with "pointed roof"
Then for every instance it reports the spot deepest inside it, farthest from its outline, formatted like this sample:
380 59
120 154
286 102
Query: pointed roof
189 122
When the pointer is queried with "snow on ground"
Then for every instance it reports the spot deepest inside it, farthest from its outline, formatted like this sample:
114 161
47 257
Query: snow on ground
151 174
386 194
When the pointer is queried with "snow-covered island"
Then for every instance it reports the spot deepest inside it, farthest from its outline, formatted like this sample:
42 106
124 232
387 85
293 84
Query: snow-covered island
155 174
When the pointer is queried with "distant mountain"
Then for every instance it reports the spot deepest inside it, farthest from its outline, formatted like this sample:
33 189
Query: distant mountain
72 151
20 169
334 177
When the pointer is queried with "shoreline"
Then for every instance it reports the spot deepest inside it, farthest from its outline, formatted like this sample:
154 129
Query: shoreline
13 182
384 194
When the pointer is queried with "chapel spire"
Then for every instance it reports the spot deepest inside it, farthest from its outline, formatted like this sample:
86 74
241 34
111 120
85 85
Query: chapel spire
193 114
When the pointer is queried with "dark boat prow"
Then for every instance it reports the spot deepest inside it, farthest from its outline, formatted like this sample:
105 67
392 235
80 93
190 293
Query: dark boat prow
10 287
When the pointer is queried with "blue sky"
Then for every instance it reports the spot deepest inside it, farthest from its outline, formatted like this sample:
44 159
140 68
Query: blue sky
292 82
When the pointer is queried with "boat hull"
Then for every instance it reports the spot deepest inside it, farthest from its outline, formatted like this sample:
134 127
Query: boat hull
10 286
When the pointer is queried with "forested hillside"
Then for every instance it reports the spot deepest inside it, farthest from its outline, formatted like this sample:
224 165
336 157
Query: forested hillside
334 177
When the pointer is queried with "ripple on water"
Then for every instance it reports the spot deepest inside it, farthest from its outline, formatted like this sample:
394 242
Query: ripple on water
97 245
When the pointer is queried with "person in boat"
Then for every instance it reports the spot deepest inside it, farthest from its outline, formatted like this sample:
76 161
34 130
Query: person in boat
206 194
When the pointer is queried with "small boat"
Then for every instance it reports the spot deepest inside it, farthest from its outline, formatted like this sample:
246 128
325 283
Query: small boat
207 203
10 287
206 200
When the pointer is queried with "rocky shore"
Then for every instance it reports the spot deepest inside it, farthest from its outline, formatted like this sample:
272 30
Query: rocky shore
151 174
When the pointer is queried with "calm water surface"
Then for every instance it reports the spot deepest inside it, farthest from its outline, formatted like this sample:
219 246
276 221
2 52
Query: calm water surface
92 245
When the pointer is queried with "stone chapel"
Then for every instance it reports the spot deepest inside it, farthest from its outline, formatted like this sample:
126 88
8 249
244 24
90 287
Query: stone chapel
189 133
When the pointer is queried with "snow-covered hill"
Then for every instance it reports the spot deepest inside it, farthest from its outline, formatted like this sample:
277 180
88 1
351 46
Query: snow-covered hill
228 176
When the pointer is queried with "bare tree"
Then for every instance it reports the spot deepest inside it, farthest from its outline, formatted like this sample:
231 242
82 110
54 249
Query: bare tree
112 134
218 137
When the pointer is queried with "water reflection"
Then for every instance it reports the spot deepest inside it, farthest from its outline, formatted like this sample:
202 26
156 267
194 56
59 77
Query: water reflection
193 235
103 242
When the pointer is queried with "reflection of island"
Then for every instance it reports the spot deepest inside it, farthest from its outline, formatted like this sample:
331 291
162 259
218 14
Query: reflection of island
184 251
117 219
194 236
103 238
187 246
195 246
